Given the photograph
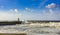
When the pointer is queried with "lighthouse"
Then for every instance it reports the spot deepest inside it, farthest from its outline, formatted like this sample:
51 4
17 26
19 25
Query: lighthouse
18 20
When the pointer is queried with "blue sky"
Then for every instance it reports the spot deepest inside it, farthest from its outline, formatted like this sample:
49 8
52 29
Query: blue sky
30 9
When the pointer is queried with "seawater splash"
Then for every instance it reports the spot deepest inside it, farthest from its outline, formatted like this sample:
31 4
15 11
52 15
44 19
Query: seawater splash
30 29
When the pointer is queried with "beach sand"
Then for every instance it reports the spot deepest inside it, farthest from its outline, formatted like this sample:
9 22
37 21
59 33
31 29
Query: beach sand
13 34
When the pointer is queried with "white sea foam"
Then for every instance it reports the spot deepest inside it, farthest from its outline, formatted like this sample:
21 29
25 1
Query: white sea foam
30 29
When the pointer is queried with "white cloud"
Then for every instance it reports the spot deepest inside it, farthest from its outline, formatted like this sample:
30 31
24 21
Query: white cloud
52 5
50 8
50 14
29 15
51 11
27 9
41 16
16 10
5 15
46 15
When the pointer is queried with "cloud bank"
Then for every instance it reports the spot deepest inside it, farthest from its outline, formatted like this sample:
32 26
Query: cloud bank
30 14
9 15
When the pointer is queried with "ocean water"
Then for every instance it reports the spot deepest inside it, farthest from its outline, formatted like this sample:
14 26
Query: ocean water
30 29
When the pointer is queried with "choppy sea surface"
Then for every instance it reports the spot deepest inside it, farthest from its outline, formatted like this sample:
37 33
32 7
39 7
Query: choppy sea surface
30 29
